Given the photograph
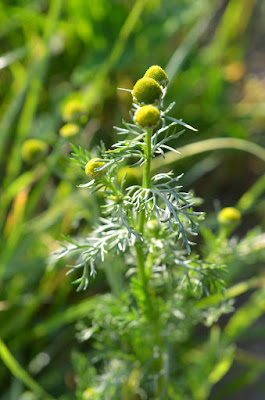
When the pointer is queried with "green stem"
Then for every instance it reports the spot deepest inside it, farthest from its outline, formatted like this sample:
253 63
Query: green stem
141 264
111 185
146 175
141 222
142 218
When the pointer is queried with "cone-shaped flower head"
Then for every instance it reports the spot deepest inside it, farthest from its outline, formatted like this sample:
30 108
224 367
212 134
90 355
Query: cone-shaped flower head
229 216
158 74
147 116
92 169
147 91
34 150
69 130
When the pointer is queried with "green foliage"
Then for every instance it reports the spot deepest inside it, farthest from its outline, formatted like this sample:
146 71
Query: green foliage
54 53
134 333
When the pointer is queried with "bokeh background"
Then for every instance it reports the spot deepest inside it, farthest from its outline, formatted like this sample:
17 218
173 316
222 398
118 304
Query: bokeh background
55 52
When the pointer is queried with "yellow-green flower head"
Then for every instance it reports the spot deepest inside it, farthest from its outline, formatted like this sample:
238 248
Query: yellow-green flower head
34 150
92 169
158 74
147 91
229 216
147 116
73 110
69 130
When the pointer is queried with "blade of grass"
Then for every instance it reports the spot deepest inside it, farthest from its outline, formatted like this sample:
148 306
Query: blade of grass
249 198
192 38
46 219
11 114
117 50
246 315
12 56
232 292
37 76
70 315
208 145
22 182
233 24
234 21
16 369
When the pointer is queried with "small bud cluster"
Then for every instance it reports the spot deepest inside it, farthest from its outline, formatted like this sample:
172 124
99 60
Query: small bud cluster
148 93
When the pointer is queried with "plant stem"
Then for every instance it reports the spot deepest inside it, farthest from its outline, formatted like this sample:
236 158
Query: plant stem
111 186
146 175
141 264
141 222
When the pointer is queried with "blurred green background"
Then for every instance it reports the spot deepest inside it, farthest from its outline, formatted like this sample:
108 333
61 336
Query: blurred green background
54 52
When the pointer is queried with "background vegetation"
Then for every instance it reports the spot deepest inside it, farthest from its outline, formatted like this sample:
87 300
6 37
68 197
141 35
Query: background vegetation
55 51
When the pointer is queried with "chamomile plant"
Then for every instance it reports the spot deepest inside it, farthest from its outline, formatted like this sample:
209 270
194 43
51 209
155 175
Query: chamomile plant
150 225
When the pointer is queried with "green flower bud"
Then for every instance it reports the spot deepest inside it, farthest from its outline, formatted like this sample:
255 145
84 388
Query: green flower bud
34 150
153 226
74 110
229 216
147 116
69 130
158 74
147 91
92 169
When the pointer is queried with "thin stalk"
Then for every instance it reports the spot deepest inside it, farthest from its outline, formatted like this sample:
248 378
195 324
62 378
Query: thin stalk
141 263
111 186
146 176
140 226
142 218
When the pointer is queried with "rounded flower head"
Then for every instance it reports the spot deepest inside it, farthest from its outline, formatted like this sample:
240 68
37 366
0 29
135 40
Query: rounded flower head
147 116
69 130
92 169
158 74
229 216
73 110
34 150
147 91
